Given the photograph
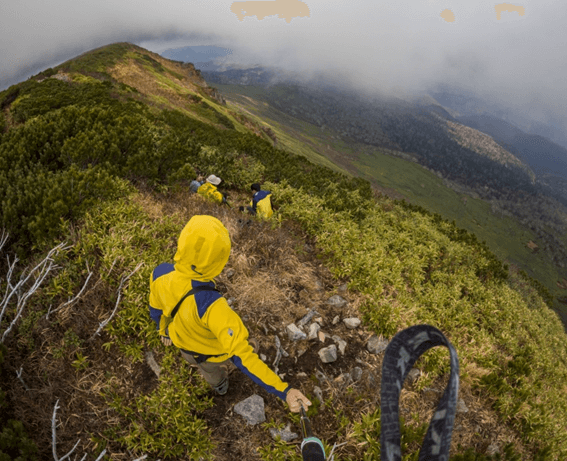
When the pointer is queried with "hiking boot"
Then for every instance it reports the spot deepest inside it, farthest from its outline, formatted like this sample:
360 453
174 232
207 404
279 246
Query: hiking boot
222 387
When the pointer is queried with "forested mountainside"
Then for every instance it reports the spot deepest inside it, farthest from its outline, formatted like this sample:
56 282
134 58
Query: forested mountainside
422 130
96 156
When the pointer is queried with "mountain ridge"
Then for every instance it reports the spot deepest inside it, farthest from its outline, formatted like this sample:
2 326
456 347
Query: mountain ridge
105 165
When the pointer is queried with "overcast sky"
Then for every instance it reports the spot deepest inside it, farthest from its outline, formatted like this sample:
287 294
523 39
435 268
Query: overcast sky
520 61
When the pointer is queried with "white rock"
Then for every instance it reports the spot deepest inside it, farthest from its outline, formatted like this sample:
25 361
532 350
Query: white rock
341 343
336 320
295 333
351 323
313 331
328 354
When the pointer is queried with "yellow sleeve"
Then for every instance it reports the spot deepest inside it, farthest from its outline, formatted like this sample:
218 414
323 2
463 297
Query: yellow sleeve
227 326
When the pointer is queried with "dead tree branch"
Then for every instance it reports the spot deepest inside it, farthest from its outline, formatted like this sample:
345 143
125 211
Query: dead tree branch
20 290
70 301
119 296
19 375
54 439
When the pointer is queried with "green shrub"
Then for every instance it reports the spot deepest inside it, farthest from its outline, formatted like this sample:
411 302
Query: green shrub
166 422
15 445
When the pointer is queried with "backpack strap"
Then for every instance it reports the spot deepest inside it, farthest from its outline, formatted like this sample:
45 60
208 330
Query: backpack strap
191 292
402 352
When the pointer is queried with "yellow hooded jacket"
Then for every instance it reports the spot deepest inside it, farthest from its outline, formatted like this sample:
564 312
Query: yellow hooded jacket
210 191
205 325
262 204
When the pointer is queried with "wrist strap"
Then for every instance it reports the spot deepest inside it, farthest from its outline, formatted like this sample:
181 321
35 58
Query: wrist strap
402 352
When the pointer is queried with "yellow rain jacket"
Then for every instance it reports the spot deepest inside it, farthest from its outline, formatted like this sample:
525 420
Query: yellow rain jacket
262 204
205 326
210 191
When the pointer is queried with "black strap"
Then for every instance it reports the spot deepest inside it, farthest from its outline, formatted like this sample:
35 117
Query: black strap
402 352
191 292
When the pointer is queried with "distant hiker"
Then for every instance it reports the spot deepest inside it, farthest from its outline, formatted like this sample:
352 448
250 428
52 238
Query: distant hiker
261 204
194 185
209 190
195 318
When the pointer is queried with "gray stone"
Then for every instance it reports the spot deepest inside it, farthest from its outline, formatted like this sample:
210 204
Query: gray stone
307 318
313 331
319 286
337 301
342 344
492 449
230 273
413 376
328 354
356 374
321 376
336 320
263 358
461 407
351 323
295 333
284 434
343 287
230 301
376 345
251 409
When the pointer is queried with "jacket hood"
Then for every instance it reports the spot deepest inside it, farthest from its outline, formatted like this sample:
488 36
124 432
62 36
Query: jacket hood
203 248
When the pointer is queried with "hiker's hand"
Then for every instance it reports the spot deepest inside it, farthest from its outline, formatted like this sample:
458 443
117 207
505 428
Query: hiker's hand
293 399
165 340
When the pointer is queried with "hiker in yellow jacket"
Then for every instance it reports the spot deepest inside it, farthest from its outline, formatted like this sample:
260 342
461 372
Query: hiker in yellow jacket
193 316
209 189
261 203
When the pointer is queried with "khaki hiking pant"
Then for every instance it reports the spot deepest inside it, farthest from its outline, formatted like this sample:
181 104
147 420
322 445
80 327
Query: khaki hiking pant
213 372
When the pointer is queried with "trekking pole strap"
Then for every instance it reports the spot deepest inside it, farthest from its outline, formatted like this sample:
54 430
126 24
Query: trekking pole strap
402 352
191 292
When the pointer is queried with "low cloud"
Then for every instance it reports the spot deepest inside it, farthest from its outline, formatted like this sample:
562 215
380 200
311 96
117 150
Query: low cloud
518 60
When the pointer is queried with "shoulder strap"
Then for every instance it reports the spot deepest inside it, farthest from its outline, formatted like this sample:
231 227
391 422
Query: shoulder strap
402 352
191 292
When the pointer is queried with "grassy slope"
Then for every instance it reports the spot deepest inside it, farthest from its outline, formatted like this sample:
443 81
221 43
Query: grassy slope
505 236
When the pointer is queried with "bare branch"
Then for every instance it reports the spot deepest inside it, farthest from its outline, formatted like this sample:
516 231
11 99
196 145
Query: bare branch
331 456
19 375
280 351
122 281
54 435
4 238
19 290
54 439
70 301
101 455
